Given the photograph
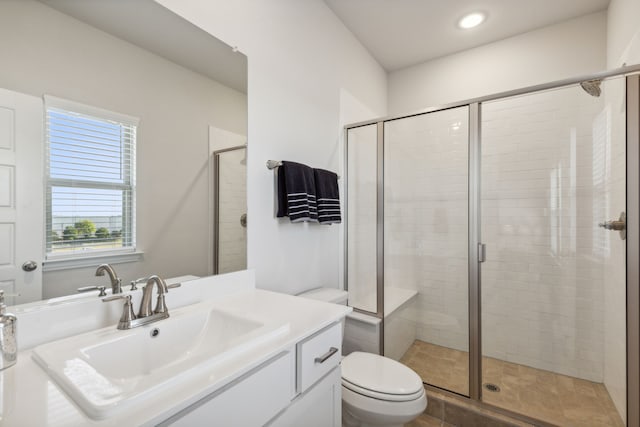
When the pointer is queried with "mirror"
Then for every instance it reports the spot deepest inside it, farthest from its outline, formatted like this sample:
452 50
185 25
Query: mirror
188 92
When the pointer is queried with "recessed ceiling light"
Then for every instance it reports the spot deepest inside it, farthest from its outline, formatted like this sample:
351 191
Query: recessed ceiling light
471 20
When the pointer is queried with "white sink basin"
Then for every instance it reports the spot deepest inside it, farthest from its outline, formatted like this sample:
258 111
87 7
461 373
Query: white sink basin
108 370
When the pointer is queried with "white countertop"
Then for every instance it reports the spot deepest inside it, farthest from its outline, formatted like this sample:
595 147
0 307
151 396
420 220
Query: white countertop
30 398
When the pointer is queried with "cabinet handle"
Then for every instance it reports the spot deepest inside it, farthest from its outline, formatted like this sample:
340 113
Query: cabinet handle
327 355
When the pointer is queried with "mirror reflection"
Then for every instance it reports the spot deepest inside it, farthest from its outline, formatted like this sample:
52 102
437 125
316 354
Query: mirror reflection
230 215
110 114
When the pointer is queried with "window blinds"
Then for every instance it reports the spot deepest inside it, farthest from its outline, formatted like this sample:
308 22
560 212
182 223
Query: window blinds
90 179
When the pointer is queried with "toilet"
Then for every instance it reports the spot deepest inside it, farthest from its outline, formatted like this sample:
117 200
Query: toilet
376 391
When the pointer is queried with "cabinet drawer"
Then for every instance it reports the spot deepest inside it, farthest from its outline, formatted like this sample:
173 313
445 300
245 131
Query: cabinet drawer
318 355
248 402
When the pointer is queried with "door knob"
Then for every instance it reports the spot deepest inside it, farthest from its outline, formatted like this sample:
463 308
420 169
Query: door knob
618 225
29 266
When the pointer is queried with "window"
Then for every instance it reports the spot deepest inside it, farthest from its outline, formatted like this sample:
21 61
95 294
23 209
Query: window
90 180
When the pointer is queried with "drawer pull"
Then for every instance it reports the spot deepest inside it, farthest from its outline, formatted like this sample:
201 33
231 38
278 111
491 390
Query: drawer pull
327 355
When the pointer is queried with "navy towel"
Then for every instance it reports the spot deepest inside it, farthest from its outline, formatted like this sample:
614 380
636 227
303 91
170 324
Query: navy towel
328 197
297 192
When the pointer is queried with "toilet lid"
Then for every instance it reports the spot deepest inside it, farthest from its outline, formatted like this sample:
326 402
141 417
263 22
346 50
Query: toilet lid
380 376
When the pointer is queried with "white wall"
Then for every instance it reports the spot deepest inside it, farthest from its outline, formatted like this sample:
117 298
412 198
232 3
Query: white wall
55 54
571 48
301 59
623 33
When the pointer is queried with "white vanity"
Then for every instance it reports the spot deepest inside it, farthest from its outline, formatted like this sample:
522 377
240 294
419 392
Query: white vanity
228 355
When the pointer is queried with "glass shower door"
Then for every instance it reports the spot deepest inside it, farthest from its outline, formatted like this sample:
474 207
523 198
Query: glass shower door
230 207
426 245
362 266
553 283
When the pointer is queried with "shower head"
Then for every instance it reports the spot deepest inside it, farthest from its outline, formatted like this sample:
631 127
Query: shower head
592 87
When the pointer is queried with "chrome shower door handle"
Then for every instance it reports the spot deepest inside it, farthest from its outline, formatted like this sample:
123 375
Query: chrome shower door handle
617 225
613 225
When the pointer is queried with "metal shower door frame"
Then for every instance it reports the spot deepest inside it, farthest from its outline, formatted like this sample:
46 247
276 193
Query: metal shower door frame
633 247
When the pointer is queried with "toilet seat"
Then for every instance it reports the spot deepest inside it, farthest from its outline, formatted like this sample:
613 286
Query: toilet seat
380 378
382 396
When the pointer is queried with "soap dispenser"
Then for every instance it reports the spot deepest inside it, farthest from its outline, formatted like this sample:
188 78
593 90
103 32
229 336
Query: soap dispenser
8 343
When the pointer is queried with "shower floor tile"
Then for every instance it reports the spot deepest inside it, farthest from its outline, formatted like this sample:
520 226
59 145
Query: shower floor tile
547 396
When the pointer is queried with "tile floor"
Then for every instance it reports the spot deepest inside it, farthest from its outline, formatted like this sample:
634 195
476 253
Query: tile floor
426 421
547 396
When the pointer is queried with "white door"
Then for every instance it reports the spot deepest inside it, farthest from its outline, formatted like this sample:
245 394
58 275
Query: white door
21 196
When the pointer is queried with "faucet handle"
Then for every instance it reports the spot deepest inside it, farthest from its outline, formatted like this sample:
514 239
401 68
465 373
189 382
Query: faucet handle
117 297
134 283
94 288
127 310
161 306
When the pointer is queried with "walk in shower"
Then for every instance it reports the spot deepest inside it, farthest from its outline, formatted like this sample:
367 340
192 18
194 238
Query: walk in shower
490 238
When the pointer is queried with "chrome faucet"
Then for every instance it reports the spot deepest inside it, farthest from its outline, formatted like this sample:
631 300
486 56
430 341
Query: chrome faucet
145 304
145 315
116 283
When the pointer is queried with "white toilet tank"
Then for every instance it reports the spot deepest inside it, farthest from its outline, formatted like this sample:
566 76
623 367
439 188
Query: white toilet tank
360 332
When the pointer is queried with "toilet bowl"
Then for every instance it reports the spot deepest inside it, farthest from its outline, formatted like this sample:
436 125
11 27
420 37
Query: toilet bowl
376 391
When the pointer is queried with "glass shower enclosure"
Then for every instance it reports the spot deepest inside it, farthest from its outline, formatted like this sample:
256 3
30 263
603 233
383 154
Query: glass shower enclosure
492 238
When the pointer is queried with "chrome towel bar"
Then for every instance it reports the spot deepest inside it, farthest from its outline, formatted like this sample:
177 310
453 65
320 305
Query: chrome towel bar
272 164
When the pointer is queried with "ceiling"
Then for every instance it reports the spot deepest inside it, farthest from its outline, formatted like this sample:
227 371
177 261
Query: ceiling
153 27
401 33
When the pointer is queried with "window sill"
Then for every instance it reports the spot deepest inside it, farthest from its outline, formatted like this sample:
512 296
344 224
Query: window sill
91 261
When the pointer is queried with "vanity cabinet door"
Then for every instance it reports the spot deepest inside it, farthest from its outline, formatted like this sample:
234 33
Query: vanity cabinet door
250 401
319 406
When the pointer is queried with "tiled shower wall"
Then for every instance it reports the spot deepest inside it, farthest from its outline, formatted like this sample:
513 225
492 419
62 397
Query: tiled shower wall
545 182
